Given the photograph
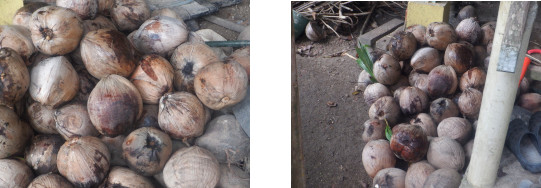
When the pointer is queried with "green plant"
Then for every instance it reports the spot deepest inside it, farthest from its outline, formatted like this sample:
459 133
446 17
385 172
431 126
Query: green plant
388 131
365 62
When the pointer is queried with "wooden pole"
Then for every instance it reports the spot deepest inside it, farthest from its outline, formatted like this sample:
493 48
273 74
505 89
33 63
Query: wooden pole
514 26
297 158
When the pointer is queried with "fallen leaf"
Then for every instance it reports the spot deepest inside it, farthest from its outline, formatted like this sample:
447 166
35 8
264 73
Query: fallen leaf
356 93
332 104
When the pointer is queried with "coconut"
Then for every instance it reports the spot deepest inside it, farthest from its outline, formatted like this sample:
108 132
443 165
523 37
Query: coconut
442 81
466 12
426 122
413 101
377 155
226 140
387 70
459 56
374 129
50 180
41 154
14 75
24 14
159 35
314 32
487 33
146 150
396 93
456 128
409 142
86 9
375 91
524 85
425 59
443 108
153 78
55 30
469 103
17 38
165 12
419 32
221 85
530 101
192 167
402 45
14 173
129 14
114 144
54 81
363 81
187 60
73 120
124 177
402 82
14 133
390 177
473 78
385 108
444 152
443 178
181 115
439 35
468 30
41 118
418 173
480 53
149 117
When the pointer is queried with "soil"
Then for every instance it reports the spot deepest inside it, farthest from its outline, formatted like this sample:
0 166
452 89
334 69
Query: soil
239 14
332 143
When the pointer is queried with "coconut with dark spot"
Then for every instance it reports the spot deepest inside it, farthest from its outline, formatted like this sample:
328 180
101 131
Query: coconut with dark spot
374 129
221 85
121 177
146 150
41 117
409 142
468 30
487 33
443 108
73 120
442 81
375 91
419 32
425 59
387 70
459 56
181 115
426 122
187 60
24 14
15 78
84 161
473 78
402 45
86 9
385 108
129 14
50 180
55 30
17 38
469 103
456 128
377 155
159 35
413 101
466 12
390 177
14 133
42 152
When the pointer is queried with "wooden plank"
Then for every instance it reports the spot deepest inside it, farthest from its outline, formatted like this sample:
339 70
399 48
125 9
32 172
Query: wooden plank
371 37
297 157
225 23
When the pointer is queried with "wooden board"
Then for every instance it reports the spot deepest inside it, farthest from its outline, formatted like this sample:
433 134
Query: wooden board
191 9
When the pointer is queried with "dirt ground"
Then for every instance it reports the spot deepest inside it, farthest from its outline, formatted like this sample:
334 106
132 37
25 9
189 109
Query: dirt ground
332 143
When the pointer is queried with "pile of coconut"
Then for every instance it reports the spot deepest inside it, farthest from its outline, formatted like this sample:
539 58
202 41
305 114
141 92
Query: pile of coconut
107 93
429 91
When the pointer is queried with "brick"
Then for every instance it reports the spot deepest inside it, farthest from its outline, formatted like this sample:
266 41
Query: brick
372 36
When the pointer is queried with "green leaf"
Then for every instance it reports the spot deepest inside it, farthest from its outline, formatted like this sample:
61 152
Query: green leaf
364 61
388 131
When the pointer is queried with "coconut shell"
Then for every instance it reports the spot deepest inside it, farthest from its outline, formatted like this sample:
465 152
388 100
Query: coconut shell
443 108
24 14
56 30
146 150
487 33
466 12
419 32
84 161
402 45
444 152
14 135
469 103
42 152
377 155
530 101
14 173
374 129
456 128
425 59
418 173
192 167
473 78
442 81
439 35
443 178
468 30
242 56
114 105
409 142
54 81
187 64
73 120
387 70
375 91
221 85
426 122
15 78
50 180
100 22
153 77
41 118
17 38
385 108
181 115
86 9
413 101
363 81
390 177
129 14
124 177
160 34
107 51
459 56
